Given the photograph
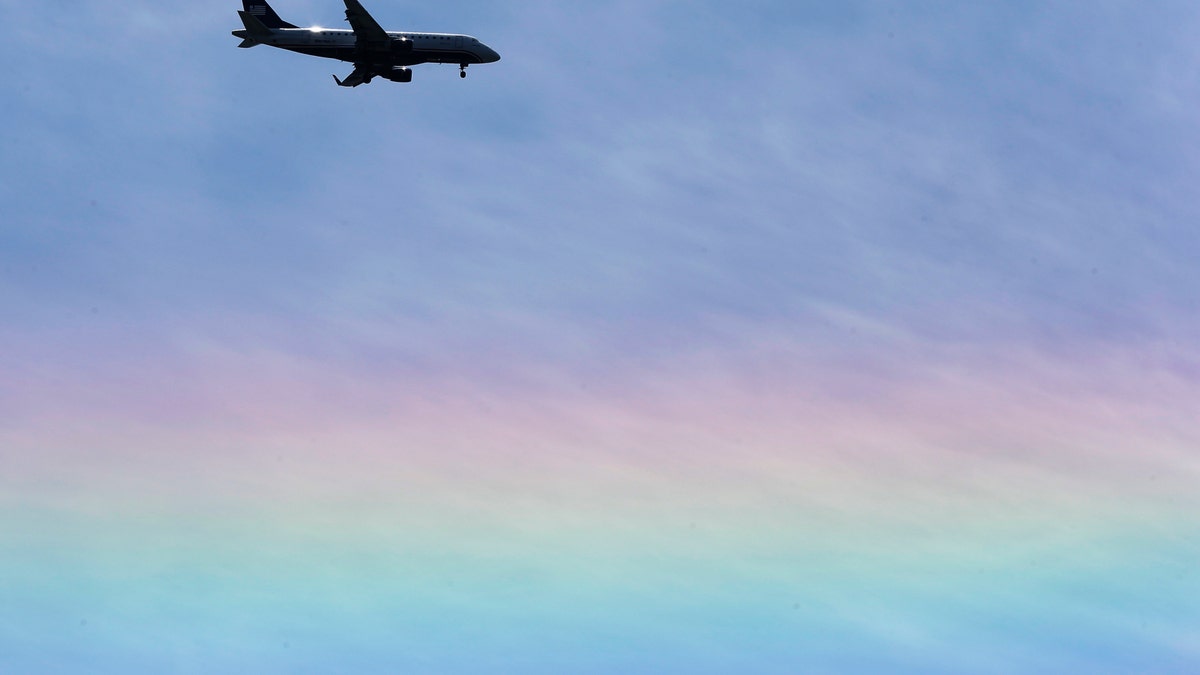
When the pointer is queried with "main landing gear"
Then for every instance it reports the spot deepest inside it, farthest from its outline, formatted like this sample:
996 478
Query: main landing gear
462 70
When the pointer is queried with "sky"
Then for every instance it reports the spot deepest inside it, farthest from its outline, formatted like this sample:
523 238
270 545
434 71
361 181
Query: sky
785 337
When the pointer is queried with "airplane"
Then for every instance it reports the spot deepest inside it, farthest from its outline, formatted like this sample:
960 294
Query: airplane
373 51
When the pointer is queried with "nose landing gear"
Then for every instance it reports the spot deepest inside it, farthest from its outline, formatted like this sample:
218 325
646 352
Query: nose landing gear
462 70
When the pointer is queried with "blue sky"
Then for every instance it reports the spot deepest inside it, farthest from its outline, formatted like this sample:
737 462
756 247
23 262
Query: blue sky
964 232
1028 165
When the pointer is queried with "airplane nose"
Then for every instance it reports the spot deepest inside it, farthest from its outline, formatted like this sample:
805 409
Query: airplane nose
492 55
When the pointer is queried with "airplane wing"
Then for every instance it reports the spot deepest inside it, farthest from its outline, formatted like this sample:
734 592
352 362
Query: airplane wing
359 76
368 32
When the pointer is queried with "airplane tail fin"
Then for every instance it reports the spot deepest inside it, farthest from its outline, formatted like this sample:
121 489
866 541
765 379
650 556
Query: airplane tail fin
262 11
254 27
248 43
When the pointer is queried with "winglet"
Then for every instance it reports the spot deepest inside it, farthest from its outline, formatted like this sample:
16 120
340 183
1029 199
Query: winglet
361 75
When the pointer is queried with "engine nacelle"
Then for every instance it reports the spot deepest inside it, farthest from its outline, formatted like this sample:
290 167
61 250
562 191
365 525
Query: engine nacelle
397 74
402 46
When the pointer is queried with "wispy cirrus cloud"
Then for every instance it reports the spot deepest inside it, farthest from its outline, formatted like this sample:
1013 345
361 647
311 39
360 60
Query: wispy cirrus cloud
853 337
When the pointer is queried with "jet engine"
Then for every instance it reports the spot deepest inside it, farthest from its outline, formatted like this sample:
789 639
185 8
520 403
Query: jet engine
402 46
397 74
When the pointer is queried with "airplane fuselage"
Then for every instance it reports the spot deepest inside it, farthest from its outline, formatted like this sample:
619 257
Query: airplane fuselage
374 51
417 48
